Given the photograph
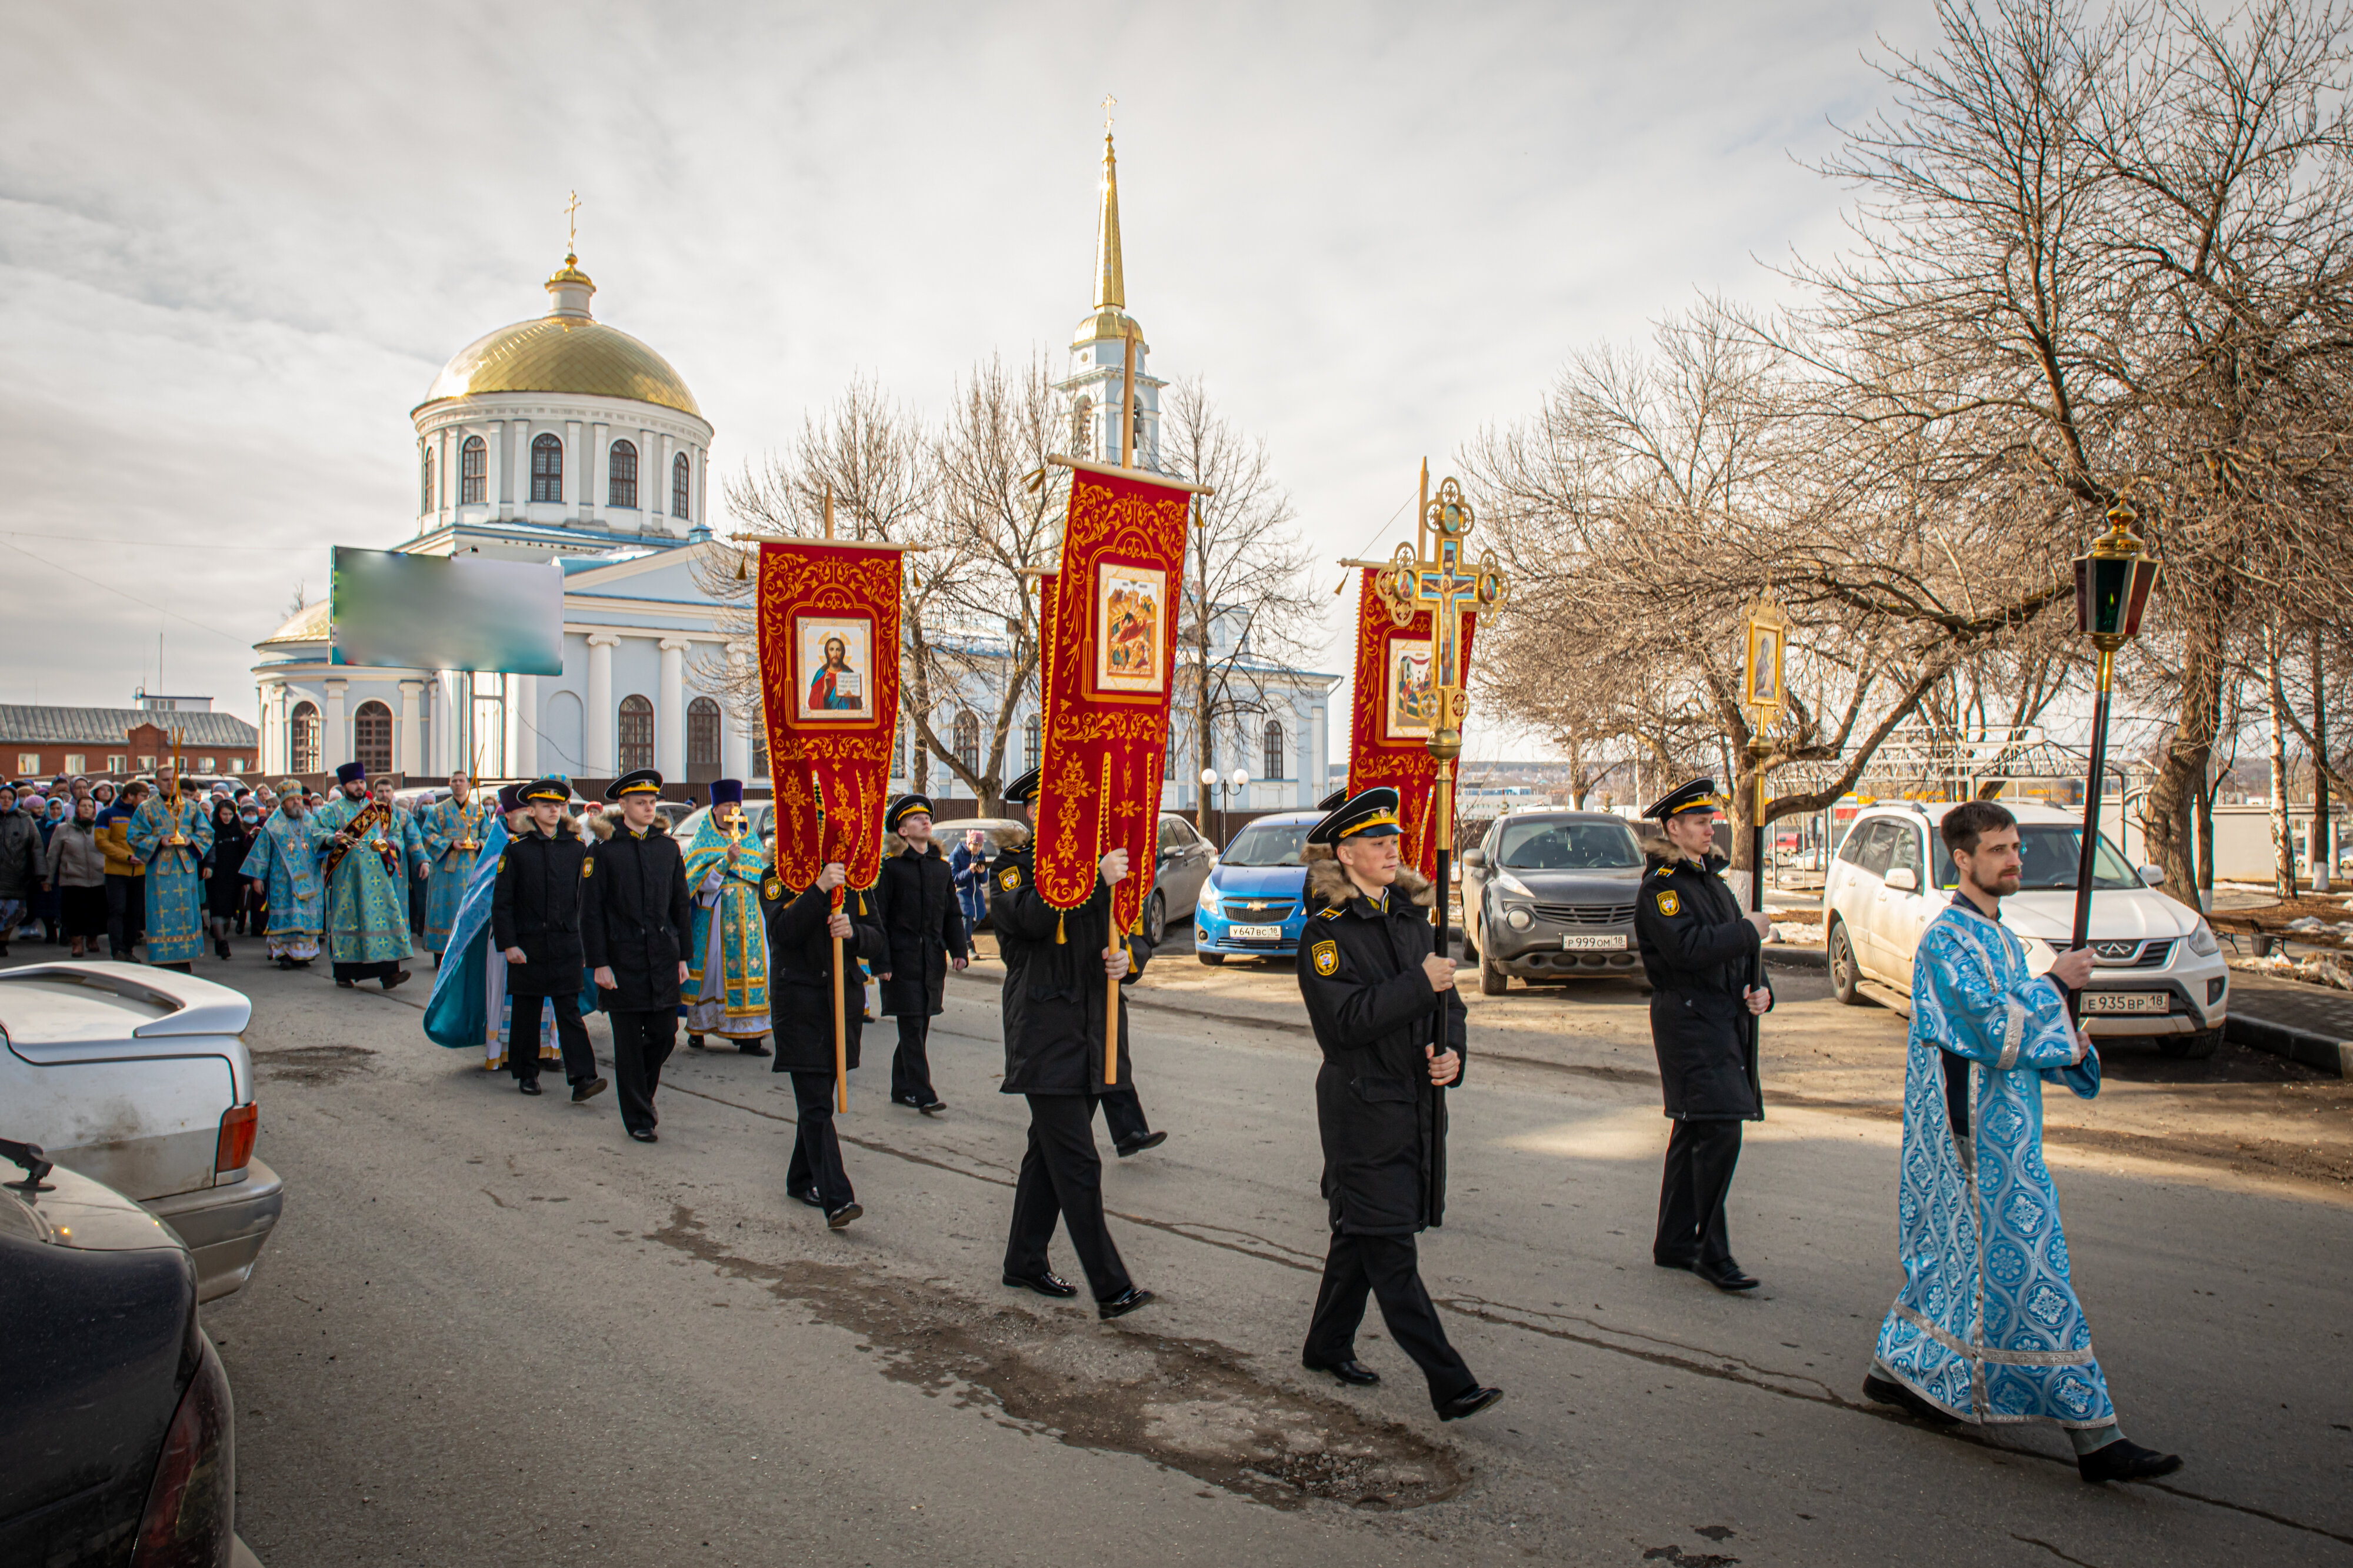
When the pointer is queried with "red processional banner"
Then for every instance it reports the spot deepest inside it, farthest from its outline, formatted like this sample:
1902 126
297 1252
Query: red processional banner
828 620
1390 718
1109 613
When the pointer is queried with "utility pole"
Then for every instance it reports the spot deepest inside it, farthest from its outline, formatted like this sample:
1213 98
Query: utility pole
2323 852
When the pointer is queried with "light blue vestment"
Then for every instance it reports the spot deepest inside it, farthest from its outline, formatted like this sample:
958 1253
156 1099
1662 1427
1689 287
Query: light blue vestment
1987 1325
176 899
367 893
469 989
285 860
446 825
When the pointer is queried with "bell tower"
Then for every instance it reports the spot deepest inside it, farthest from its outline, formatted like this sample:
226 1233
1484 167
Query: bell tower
1099 348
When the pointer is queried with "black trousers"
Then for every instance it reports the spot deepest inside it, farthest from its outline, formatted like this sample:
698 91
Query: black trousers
817 1151
641 1043
1386 1268
571 1037
911 1065
384 969
1061 1178
126 913
1700 1159
1123 1115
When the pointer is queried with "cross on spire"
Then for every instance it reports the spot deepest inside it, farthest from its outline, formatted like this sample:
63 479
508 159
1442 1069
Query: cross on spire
572 219
1109 103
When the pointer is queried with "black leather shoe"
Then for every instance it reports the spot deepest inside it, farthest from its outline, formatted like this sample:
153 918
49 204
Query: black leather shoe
1725 1276
752 1047
1047 1284
1470 1403
528 1086
2124 1460
934 1108
1138 1145
808 1196
840 1219
694 1042
588 1088
1121 1305
644 1135
345 984
1887 1391
1352 1372
398 977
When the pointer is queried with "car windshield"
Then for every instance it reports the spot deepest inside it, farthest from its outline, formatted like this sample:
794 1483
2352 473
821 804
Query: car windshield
2047 853
1567 846
1268 844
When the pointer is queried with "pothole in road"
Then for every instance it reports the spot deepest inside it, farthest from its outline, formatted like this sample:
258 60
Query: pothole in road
1185 1403
313 1064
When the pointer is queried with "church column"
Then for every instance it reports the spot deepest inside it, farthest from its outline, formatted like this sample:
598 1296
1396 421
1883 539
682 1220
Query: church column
670 711
411 756
446 501
658 505
272 721
334 740
600 740
600 454
494 441
735 735
522 723
575 469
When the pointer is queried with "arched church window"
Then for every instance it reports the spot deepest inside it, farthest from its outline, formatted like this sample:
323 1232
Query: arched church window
1274 749
703 720
372 738
1029 744
1082 427
426 487
1136 437
302 738
967 741
547 468
678 488
621 488
473 472
637 733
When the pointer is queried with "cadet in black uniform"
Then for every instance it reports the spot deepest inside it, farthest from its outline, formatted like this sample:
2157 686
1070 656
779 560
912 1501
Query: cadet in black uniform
915 898
801 929
535 920
1700 952
636 924
1374 985
1055 965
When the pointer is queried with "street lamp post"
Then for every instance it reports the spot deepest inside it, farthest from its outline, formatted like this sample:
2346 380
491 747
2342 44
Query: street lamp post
2112 580
1209 782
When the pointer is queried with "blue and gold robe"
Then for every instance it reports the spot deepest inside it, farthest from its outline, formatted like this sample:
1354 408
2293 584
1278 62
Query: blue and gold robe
469 1006
726 989
367 892
175 891
285 860
1987 1326
453 839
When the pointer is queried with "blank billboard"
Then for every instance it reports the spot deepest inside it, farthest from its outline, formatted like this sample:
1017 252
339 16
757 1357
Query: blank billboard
439 612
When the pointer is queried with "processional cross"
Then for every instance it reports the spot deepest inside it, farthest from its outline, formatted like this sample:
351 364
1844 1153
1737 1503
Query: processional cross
1434 575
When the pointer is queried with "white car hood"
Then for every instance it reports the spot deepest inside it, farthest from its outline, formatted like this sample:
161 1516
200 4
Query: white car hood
2127 914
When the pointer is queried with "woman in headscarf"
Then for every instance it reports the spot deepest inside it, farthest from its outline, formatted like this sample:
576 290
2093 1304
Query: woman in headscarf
77 871
224 884
47 908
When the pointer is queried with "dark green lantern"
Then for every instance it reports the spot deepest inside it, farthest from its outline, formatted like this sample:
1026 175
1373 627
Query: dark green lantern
2112 582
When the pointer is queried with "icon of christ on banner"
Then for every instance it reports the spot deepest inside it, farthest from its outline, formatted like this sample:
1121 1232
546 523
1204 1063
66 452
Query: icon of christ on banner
834 656
1129 604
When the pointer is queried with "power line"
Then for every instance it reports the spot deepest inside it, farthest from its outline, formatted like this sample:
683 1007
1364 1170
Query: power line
139 544
96 583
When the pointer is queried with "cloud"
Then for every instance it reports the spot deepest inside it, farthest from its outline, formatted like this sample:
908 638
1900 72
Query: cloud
236 243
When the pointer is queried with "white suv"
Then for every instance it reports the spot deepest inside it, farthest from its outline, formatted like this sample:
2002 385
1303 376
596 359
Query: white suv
2160 973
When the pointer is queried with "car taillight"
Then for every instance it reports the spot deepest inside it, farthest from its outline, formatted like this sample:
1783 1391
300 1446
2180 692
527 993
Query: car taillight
191 1515
235 1150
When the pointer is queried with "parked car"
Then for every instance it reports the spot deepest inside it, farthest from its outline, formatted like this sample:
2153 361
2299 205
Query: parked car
1549 895
114 1410
1253 902
2158 973
137 1078
1182 863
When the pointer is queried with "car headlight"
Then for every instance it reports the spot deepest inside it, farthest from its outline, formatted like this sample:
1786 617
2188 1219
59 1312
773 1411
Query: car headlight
1507 883
1518 919
2203 942
2039 954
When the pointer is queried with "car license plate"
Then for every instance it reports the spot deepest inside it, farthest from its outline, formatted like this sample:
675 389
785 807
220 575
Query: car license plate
1615 943
1255 934
2128 1001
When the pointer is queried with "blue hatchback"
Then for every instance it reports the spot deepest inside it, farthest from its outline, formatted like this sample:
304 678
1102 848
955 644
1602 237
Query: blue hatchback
1252 904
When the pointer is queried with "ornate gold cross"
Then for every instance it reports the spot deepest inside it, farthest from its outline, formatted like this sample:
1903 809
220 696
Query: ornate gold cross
572 223
1109 103
1435 575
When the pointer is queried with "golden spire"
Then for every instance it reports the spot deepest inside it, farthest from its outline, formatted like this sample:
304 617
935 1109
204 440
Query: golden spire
1111 286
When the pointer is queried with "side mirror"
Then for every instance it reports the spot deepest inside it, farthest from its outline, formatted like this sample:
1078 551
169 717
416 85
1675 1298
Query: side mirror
1904 880
2152 875
1474 857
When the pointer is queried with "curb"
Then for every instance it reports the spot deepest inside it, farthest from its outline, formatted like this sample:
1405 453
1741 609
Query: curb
2302 1047
1792 957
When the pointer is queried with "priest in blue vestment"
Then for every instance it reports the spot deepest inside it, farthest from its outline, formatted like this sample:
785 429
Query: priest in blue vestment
1987 1328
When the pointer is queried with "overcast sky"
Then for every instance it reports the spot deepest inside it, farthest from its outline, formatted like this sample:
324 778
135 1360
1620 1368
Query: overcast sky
237 242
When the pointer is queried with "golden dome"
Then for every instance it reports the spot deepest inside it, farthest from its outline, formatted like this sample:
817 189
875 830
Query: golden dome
1108 322
309 624
564 351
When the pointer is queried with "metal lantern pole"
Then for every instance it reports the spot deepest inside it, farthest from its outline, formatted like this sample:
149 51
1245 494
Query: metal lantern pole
2112 585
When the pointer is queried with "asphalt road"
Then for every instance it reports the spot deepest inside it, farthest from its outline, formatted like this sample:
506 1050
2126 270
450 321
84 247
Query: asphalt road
492 1330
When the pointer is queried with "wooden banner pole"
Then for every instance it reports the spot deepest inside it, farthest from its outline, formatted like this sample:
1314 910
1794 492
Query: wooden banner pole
1111 1017
840 1037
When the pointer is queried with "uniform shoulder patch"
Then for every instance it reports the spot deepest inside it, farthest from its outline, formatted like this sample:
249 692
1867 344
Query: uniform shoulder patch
588 867
503 862
774 887
1009 878
1665 871
1326 957
1334 912
1669 905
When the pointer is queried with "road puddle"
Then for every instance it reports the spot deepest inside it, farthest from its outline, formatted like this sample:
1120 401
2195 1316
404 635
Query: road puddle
1190 1405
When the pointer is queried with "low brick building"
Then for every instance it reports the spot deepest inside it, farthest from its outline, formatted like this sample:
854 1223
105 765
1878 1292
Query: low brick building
117 743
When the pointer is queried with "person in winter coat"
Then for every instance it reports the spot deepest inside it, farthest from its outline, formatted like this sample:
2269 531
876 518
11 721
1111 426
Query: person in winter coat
1056 962
636 920
535 922
1699 952
1375 990
969 865
923 921
222 872
802 927
78 871
20 864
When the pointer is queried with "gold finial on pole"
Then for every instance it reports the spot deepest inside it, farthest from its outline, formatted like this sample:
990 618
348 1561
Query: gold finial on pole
571 229
1109 103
